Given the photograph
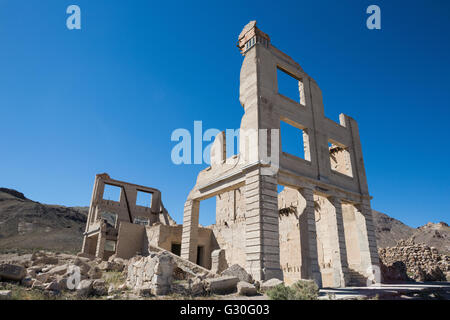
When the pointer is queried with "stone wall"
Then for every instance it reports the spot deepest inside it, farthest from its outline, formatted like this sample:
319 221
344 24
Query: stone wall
419 262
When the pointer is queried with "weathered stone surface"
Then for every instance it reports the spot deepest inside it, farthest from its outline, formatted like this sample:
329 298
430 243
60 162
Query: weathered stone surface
5 295
412 261
38 285
237 271
41 258
94 273
84 267
53 286
218 261
60 270
246 289
115 265
269 284
152 274
27 282
221 285
84 288
12 272
99 287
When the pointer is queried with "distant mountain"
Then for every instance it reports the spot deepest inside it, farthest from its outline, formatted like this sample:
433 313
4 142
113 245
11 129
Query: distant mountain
389 230
26 224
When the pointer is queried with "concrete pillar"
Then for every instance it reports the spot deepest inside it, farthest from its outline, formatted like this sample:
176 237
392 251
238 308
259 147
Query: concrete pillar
337 236
189 236
308 237
262 234
100 250
369 251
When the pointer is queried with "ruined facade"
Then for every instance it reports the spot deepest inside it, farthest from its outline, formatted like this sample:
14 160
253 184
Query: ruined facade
125 227
117 226
320 226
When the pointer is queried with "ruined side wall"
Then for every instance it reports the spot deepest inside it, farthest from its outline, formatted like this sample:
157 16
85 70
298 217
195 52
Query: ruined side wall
130 240
292 205
229 230
324 248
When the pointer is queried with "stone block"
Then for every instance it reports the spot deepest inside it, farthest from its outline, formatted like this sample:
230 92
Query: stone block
237 271
12 272
221 285
269 284
246 289
5 295
218 261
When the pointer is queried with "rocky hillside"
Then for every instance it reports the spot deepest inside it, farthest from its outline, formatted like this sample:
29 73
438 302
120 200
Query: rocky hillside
389 230
26 224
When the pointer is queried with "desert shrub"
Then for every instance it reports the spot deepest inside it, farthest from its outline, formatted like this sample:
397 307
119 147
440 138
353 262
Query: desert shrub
306 290
281 292
301 290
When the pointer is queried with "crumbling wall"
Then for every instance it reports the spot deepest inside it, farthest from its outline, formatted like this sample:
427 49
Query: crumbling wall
130 240
290 206
229 230
419 261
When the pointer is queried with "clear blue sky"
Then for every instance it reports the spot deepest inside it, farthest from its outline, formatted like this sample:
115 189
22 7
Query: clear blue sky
106 98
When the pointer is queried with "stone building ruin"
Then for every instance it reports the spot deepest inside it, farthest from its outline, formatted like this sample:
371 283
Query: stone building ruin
326 232
318 227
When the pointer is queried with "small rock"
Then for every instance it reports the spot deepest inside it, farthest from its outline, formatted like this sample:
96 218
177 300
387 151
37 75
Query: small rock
237 271
52 286
94 273
84 288
12 272
221 285
246 289
5 295
38 285
99 287
27 282
269 284
60 270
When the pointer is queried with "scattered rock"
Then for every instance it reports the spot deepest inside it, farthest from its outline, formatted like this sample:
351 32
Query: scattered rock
246 289
94 273
27 282
58 270
111 266
218 261
151 274
12 272
99 287
221 285
237 271
269 284
84 288
38 285
412 261
53 286
5 295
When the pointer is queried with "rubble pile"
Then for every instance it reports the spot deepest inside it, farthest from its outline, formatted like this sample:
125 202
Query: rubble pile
158 273
413 261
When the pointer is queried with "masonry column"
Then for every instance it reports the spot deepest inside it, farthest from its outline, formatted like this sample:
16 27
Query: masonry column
262 234
308 237
337 235
100 250
370 262
189 238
